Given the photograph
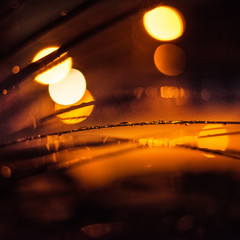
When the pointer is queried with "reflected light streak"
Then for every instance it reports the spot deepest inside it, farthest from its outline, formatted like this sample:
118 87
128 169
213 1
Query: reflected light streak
70 90
154 142
170 59
77 115
166 142
205 140
56 73
164 23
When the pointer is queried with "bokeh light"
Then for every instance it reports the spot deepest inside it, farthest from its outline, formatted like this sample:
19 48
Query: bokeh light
170 59
57 72
213 137
15 69
164 23
70 90
171 92
79 114
6 171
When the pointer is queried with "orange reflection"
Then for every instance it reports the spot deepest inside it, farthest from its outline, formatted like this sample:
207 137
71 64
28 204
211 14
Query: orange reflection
213 137
170 59
189 140
77 115
15 69
56 73
154 142
6 172
69 90
170 92
164 23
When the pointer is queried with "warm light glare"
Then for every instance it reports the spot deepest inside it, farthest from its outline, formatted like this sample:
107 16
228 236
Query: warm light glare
56 73
213 137
70 90
170 59
164 23
171 92
79 114
154 142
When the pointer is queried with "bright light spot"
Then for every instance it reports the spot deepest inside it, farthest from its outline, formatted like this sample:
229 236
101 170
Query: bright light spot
171 92
4 92
57 72
170 59
79 114
70 90
6 172
164 23
213 137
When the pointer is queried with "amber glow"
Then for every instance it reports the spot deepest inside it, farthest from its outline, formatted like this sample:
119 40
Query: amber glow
183 140
70 90
164 23
77 115
15 69
154 142
170 59
6 172
56 73
213 137
171 92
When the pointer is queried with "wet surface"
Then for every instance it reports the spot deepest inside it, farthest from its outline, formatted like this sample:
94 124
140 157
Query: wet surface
158 158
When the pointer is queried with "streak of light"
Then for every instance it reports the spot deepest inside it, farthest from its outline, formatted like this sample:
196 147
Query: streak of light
120 125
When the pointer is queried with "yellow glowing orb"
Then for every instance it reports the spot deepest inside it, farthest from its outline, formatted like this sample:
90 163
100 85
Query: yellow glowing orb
164 23
69 90
170 59
57 72
79 114
213 137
